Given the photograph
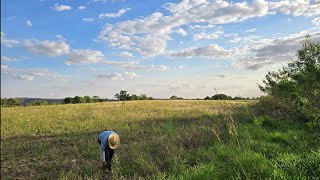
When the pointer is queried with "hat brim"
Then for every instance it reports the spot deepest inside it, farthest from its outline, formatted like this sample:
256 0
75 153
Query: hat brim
116 136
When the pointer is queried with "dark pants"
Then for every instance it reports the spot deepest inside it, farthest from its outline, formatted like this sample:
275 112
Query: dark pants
108 153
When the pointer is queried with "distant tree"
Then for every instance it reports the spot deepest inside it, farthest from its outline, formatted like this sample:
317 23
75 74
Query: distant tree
207 98
96 99
4 102
143 97
87 99
68 100
38 103
122 96
238 98
150 98
134 97
14 102
78 99
174 97
221 97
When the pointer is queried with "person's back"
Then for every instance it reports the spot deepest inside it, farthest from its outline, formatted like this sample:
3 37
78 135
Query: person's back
108 140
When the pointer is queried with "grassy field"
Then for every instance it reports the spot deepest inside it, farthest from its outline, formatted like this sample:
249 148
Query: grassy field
159 140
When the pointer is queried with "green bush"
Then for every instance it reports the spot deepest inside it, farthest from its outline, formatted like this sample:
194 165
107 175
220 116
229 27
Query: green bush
294 92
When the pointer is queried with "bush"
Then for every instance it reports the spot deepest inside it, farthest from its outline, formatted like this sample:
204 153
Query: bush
294 91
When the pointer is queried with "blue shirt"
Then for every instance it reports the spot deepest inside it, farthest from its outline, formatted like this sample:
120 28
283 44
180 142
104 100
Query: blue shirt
103 137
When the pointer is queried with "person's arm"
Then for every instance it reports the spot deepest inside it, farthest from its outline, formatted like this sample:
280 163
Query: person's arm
102 151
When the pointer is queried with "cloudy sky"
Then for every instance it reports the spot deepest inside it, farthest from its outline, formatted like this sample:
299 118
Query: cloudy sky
188 48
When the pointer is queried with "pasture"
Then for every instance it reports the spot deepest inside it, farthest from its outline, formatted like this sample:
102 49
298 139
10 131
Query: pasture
160 139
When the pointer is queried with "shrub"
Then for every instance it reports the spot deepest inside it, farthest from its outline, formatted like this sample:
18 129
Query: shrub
294 91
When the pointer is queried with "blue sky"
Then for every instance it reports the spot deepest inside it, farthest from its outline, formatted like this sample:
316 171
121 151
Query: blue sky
188 48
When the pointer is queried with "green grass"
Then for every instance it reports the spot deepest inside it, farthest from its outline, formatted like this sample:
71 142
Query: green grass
159 140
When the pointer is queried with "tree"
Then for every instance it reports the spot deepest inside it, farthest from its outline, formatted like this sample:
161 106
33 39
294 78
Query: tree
174 97
122 96
298 84
221 97
4 102
14 102
68 100
207 98
134 97
238 98
38 103
96 99
87 99
78 99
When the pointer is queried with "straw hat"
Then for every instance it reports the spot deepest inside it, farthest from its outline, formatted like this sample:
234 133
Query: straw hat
114 140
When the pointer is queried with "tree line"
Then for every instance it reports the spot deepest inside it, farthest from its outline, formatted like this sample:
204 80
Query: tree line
226 97
123 95
12 102
84 99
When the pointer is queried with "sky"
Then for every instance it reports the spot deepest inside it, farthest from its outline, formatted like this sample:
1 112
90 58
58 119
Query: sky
188 48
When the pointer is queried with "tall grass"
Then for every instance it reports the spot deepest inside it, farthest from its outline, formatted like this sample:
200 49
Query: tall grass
159 140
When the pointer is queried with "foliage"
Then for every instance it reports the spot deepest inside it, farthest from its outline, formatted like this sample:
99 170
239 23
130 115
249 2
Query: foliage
11 102
80 99
219 97
174 97
38 103
124 96
297 86
68 100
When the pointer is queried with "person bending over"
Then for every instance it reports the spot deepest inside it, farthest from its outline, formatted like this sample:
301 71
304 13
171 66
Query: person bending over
109 141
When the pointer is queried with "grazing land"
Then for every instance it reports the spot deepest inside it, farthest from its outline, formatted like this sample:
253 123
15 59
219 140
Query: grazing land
187 139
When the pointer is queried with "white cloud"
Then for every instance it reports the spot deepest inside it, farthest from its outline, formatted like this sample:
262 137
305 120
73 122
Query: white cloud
8 42
47 48
58 7
84 56
29 74
181 32
316 21
7 59
251 30
210 51
274 51
88 19
60 37
23 77
114 15
136 66
146 67
149 35
81 7
180 67
117 76
296 7
87 56
4 69
204 35
235 40
103 1
208 26
126 54
29 23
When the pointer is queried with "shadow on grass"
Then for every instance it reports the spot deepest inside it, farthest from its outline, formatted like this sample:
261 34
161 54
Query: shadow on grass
167 148
147 147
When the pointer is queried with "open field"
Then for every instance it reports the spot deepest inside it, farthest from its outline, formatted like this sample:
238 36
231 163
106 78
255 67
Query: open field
159 140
